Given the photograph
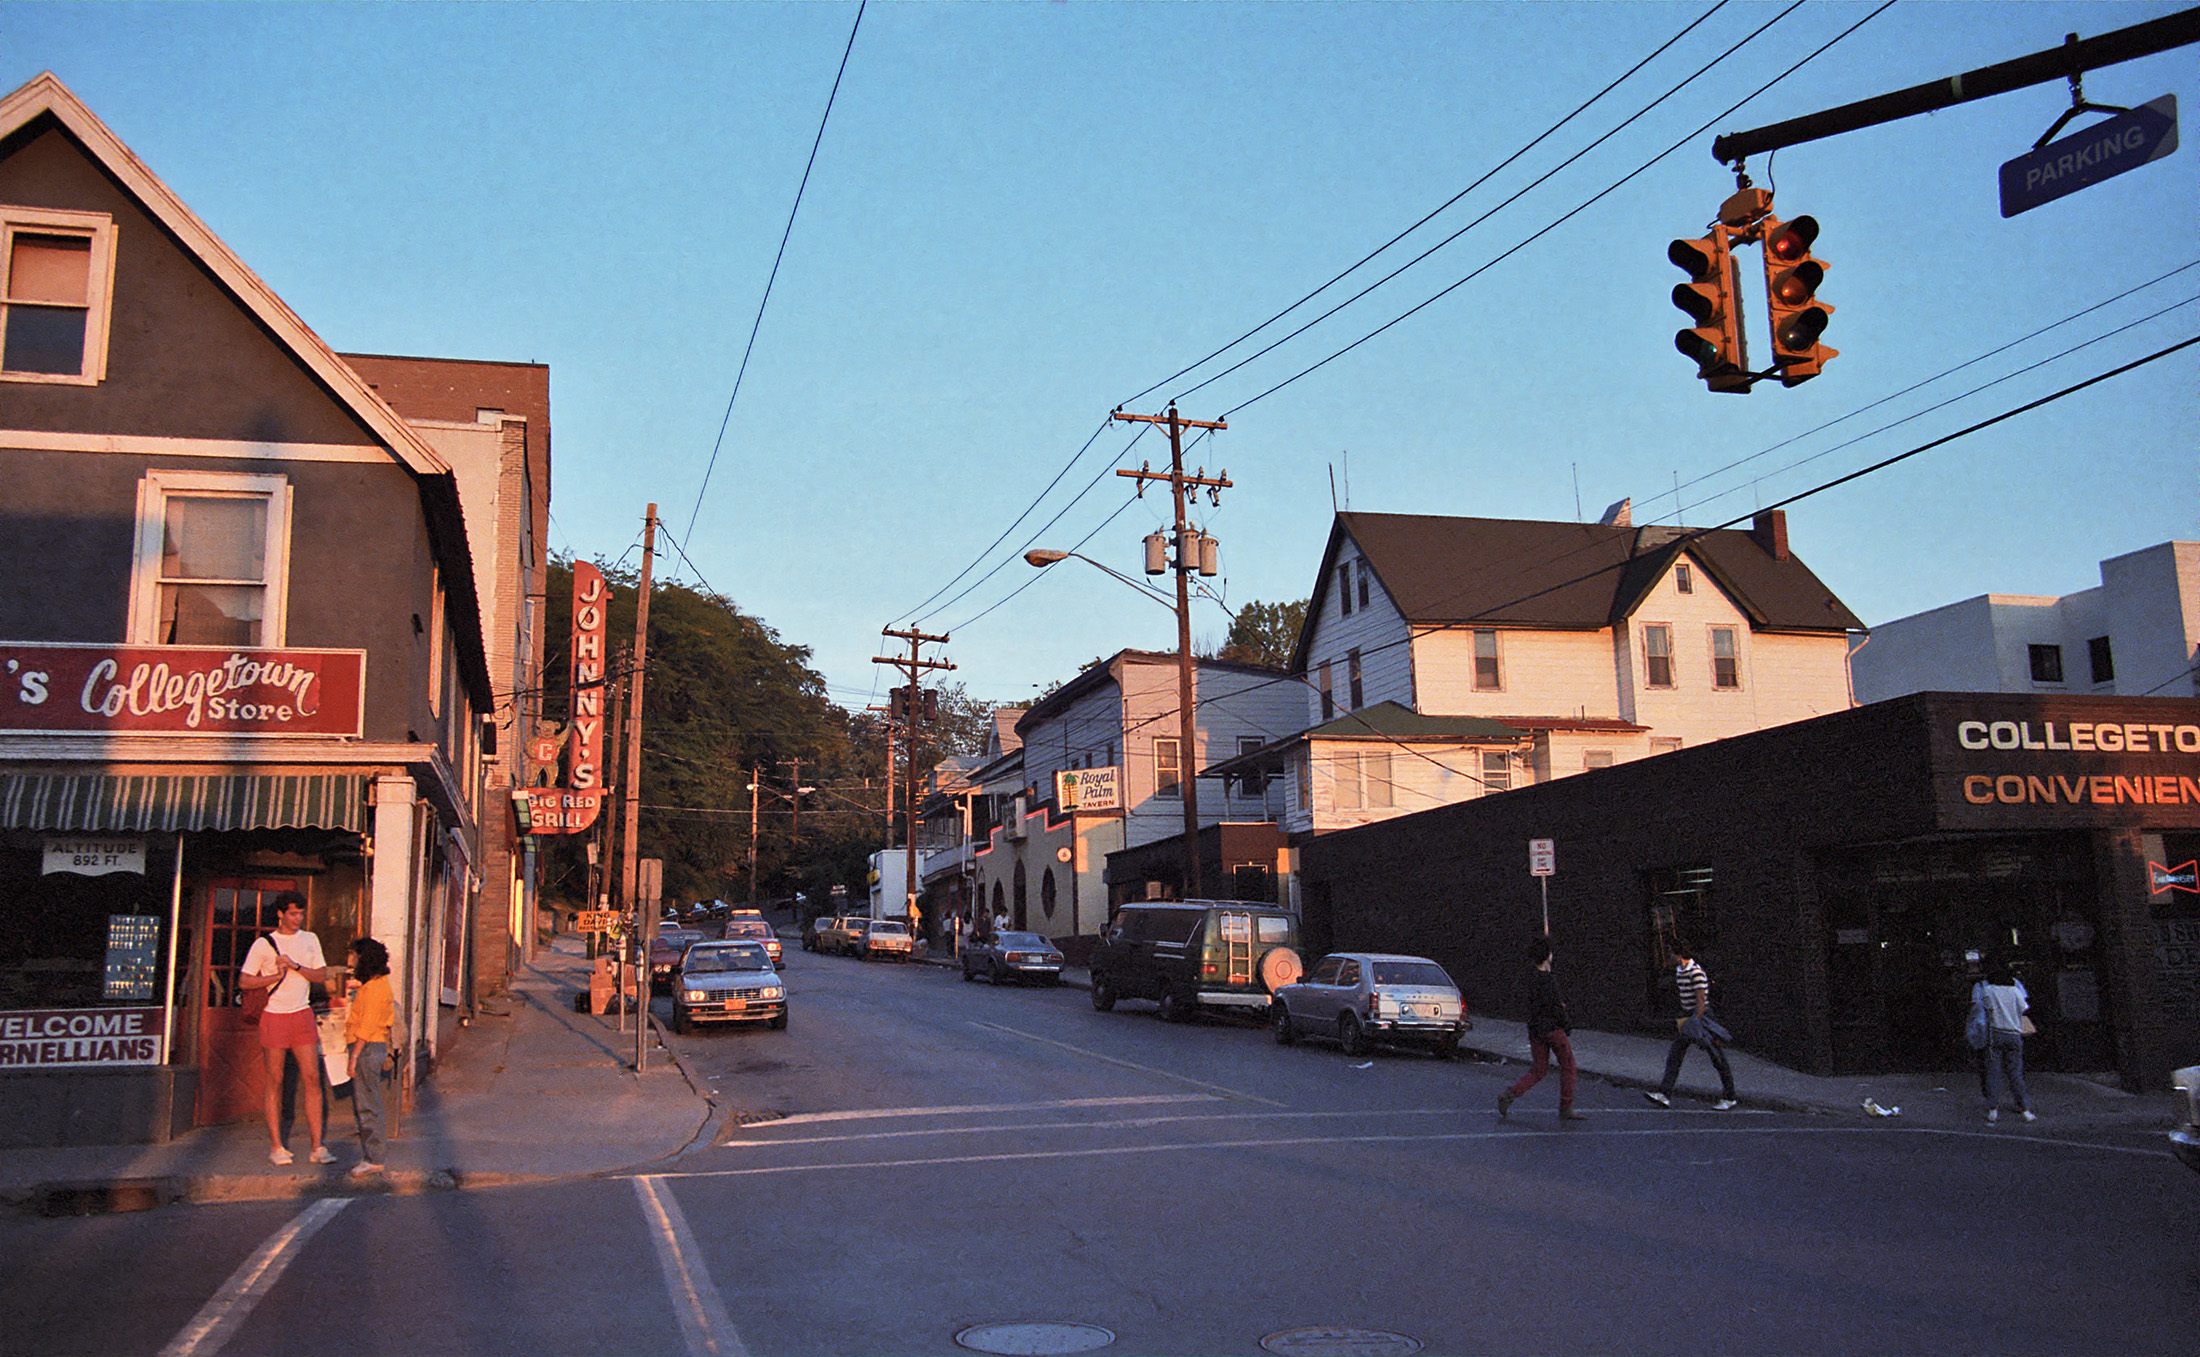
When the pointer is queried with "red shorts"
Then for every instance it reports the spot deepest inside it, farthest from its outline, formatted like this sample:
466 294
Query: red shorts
288 1031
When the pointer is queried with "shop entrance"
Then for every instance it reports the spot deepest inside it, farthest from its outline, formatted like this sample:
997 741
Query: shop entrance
232 1073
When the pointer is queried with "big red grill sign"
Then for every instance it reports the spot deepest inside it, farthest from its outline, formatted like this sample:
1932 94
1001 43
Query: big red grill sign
573 807
181 690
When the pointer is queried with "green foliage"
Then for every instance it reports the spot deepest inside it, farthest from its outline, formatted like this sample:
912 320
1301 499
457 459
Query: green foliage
1264 633
724 696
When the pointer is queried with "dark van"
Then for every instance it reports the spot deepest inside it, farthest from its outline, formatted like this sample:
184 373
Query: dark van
1191 954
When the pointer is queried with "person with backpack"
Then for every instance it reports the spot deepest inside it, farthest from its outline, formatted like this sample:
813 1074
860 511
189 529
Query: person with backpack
289 962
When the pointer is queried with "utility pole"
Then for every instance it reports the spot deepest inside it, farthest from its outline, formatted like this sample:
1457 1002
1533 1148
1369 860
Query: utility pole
634 789
1188 558
756 789
911 709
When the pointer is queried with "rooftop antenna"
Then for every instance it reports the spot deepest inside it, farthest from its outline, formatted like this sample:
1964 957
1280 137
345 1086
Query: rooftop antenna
1577 492
1333 488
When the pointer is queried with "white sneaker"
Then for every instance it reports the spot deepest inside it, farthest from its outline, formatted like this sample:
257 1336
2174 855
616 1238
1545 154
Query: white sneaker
2028 1116
365 1168
1993 1114
280 1155
1725 1103
1658 1098
321 1155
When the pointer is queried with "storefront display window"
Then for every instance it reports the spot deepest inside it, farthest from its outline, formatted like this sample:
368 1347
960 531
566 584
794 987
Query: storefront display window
91 925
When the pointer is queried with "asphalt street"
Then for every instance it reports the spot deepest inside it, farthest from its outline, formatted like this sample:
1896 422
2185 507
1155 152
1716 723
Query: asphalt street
916 1158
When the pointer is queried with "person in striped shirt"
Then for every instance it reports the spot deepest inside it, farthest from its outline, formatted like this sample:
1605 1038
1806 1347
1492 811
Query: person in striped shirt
1697 1028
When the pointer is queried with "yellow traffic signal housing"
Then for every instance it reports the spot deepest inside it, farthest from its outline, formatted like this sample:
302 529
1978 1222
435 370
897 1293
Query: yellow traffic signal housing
1792 276
1713 304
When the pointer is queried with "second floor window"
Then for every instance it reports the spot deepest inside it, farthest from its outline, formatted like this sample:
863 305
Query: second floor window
1254 781
1657 655
1168 769
1329 696
2104 663
2047 664
56 271
1497 772
1726 663
1344 589
1352 672
212 560
1485 662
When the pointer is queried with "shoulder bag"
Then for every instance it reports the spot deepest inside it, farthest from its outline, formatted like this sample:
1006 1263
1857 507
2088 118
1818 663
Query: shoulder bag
251 1003
1977 1031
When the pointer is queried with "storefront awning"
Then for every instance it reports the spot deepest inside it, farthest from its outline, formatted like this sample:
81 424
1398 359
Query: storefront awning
95 803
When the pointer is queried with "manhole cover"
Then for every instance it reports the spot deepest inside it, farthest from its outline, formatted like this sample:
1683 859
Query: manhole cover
1035 1340
1324 1341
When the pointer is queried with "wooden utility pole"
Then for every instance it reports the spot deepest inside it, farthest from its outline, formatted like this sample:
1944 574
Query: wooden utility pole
911 711
631 898
1188 559
756 789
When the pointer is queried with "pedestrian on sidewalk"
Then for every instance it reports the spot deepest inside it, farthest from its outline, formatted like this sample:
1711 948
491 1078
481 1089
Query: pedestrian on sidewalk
1547 1032
367 1035
2005 1001
289 962
1696 1028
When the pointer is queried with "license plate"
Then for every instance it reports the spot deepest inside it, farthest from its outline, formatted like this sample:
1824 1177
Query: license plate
737 1003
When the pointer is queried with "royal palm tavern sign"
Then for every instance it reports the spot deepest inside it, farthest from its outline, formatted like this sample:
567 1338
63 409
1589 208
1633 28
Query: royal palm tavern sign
1087 789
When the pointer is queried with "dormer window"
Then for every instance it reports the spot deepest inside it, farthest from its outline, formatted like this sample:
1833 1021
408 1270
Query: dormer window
1684 579
56 283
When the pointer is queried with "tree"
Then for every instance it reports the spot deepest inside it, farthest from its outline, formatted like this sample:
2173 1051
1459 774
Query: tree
1264 633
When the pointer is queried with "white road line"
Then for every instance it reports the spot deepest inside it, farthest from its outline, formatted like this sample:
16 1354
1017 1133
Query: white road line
1284 1142
704 1325
976 1109
1230 1093
210 1329
1359 1115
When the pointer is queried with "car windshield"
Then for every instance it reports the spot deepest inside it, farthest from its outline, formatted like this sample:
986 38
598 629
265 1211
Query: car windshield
1412 973
1031 941
745 956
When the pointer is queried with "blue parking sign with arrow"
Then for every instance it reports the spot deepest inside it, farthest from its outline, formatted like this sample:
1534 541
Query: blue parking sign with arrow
2102 151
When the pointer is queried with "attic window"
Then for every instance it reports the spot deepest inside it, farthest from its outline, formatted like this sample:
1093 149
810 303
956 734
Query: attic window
1684 579
54 296
1344 588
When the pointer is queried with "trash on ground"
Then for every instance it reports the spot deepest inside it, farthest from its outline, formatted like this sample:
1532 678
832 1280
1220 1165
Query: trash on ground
1873 1109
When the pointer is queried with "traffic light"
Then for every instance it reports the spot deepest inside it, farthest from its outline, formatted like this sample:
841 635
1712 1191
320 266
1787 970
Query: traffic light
1792 276
1714 306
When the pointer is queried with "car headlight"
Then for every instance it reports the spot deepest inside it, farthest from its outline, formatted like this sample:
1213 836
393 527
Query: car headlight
696 996
773 993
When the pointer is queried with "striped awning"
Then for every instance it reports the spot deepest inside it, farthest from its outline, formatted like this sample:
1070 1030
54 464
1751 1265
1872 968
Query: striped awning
94 803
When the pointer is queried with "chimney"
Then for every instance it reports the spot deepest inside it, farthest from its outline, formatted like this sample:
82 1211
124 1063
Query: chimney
1770 528
1620 515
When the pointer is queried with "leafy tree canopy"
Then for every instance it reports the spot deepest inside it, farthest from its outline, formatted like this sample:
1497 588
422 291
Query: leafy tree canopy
1264 633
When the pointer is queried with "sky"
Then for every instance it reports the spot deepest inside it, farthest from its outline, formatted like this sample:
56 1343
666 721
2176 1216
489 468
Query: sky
1022 216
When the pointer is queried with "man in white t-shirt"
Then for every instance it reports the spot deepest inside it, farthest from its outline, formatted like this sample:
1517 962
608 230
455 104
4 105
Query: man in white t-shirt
289 961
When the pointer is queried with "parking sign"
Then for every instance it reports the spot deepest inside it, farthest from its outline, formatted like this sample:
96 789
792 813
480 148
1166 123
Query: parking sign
1542 857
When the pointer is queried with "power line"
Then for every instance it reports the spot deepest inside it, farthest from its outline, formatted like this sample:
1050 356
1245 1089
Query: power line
765 300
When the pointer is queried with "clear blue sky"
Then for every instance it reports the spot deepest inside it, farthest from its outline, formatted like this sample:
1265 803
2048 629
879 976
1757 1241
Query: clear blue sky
1023 214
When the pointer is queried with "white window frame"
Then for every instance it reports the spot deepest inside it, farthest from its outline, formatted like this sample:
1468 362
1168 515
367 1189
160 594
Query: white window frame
1672 673
154 491
1592 759
1375 779
1497 775
99 293
1711 644
1168 753
1496 658
1344 781
1684 579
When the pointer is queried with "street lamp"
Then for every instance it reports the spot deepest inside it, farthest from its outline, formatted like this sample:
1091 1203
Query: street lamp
1187 779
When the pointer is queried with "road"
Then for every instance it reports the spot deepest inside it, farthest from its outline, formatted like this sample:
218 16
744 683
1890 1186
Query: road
915 1156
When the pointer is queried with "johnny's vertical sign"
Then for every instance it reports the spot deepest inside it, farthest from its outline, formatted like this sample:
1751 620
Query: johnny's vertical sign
572 808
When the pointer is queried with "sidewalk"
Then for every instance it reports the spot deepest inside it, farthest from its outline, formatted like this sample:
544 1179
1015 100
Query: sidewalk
531 1091
1950 1098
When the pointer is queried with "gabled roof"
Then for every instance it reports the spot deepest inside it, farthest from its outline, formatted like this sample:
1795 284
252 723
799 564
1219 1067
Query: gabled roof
1381 723
47 98
1103 671
1567 576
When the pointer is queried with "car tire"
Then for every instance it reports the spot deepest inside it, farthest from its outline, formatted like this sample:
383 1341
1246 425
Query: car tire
1350 1035
1172 1008
1103 993
1279 1017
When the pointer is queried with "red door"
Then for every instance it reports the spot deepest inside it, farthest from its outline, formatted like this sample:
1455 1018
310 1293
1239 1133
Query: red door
232 1071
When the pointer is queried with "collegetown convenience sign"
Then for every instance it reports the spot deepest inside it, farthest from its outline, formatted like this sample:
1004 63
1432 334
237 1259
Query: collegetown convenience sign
2095 763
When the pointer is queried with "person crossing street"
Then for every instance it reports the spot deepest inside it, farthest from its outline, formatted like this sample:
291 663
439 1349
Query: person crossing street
1697 1029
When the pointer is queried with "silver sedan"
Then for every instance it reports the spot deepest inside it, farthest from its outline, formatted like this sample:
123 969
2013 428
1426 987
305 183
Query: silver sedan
728 982
1356 998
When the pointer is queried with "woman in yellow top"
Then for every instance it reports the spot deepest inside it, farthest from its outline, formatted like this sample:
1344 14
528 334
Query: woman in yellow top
367 1034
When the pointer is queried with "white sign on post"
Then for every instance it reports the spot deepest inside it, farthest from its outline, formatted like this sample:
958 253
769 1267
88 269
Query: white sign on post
1542 857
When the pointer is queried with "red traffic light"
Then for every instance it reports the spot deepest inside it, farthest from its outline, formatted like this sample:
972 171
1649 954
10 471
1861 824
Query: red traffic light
1792 276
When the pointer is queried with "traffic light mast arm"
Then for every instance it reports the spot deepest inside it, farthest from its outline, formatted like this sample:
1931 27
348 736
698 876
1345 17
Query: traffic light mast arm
2167 33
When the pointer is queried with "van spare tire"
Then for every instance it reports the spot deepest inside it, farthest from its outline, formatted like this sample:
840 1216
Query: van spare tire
1279 968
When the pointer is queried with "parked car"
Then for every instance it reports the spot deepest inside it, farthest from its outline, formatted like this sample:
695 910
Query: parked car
884 938
665 951
1022 957
813 937
728 982
749 924
1359 997
2184 1142
847 934
1191 954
